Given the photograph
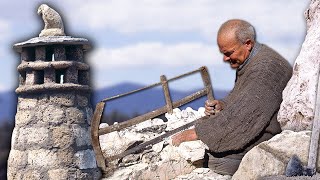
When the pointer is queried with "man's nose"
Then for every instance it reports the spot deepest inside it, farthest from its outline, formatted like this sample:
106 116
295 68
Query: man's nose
226 58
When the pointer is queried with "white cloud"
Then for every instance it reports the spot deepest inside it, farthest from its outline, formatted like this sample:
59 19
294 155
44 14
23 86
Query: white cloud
3 88
1 52
274 18
4 29
288 51
155 53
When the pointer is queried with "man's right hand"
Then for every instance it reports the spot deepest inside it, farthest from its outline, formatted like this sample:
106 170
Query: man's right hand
212 107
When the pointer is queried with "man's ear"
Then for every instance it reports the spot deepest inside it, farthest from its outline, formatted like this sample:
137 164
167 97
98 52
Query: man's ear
249 44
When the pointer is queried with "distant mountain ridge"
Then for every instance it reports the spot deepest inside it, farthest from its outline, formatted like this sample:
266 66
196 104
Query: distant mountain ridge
8 105
137 103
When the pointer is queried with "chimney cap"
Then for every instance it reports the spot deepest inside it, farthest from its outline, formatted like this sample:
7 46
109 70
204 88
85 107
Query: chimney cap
52 40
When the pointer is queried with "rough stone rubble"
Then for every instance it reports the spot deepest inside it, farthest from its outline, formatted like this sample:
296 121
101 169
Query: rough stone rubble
274 156
162 160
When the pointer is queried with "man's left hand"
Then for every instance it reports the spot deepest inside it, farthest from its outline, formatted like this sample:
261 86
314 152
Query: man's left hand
187 135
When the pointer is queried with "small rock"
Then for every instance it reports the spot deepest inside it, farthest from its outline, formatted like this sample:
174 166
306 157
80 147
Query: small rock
150 157
192 150
203 173
158 147
131 158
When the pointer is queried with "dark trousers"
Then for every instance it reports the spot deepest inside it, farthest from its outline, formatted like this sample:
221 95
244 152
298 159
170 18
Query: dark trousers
227 165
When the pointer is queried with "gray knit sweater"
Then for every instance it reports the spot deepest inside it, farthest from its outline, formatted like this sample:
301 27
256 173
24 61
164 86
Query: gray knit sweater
251 108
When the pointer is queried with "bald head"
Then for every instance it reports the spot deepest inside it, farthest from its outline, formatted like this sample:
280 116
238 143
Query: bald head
236 39
239 29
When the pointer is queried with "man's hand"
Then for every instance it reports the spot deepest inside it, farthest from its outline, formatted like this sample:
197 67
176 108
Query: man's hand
211 107
187 135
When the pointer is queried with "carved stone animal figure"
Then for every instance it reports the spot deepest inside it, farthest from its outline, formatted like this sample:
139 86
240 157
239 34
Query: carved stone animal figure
53 25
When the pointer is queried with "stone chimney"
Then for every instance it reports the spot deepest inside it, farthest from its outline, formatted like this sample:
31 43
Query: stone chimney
51 138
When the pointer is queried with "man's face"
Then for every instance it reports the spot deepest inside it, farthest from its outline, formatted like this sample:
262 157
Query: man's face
233 51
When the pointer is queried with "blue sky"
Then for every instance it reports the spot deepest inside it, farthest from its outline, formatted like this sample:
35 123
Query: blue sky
139 40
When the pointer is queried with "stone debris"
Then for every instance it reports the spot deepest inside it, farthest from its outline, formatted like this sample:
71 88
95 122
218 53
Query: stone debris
192 151
179 118
274 156
204 174
162 160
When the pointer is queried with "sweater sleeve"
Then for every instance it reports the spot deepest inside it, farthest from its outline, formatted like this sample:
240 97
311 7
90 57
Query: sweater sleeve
246 115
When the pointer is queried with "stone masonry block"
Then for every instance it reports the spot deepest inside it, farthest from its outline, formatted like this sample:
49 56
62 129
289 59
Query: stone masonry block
22 78
85 159
75 116
39 111
21 141
82 100
33 175
30 77
42 99
82 135
32 137
17 159
56 174
26 103
36 136
13 173
54 115
24 117
15 135
62 137
89 114
65 157
63 99
50 158
24 55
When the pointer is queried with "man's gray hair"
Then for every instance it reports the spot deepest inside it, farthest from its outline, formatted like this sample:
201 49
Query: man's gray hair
242 29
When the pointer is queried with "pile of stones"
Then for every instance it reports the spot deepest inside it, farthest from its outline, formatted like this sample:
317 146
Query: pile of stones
162 160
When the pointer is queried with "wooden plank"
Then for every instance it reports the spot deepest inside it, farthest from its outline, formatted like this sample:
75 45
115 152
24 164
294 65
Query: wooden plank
95 135
314 143
207 82
166 92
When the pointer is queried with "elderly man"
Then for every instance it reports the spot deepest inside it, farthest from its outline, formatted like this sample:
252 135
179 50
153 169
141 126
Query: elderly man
249 113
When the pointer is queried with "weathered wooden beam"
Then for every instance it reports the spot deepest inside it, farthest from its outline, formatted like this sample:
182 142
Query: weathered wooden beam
95 135
166 93
207 82
314 142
